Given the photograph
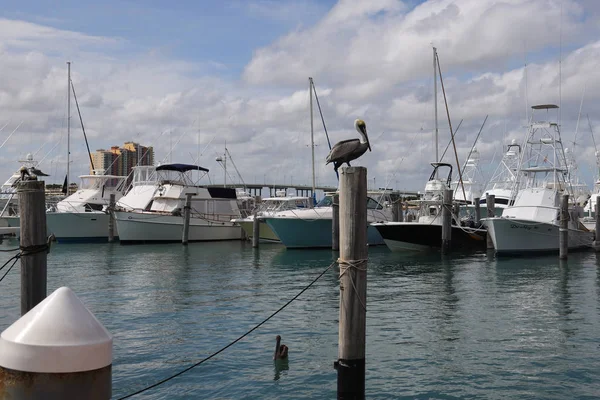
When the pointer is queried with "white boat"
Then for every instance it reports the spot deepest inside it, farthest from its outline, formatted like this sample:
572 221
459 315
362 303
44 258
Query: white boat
471 187
83 216
531 224
152 211
272 206
425 233
9 201
311 228
503 180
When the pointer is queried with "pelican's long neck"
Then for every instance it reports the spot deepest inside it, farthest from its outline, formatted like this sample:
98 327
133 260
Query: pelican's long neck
363 137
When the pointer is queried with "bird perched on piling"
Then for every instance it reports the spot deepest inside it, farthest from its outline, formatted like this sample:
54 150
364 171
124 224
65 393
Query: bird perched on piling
281 350
28 174
348 150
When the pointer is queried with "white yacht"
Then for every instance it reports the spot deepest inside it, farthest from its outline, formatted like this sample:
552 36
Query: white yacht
83 216
471 187
589 219
426 232
152 211
532 222
503 180
9 202
272 206
311 228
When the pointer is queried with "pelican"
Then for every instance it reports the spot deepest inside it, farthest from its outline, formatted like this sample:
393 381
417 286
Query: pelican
281 350
348 150
37 172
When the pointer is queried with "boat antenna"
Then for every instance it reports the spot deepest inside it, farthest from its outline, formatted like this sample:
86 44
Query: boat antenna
450 124
83 128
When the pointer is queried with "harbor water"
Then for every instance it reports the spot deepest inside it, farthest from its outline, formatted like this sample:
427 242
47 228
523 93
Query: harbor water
465 326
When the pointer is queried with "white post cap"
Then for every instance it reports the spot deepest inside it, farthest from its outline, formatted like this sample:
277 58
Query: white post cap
58 335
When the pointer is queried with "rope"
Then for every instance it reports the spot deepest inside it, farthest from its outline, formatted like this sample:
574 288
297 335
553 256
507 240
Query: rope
345 265
230 344
25 251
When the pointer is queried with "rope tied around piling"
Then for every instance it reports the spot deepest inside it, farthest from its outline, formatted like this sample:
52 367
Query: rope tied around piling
359 265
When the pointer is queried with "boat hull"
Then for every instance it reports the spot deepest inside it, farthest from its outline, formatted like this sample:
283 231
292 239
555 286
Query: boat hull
83 227
517 236
296 233
266 234
135 227
414 236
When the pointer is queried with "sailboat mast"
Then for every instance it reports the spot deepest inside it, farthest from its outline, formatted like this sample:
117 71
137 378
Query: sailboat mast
68 122
435 105
312 133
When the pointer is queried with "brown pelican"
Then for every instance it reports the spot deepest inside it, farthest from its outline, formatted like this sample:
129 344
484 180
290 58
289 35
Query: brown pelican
348 150
281 350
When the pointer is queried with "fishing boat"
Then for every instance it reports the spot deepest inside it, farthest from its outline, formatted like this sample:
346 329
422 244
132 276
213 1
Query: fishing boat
471 180
503 180
532 223
152 211
271 206
425 233
312 227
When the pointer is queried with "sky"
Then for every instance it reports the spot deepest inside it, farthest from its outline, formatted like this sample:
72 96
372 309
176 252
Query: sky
191 77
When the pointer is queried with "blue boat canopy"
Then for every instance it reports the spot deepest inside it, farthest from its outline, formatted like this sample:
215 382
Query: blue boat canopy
180 167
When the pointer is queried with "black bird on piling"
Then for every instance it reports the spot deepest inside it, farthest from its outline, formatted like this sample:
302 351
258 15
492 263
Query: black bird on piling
281 350
348 150
37 172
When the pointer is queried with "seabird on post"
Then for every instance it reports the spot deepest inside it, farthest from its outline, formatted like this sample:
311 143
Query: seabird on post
348 150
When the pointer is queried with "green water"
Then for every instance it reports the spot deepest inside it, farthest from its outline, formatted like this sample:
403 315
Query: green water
467 326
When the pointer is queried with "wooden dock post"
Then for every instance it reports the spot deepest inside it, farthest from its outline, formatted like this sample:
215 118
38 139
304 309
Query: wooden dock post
335 222
111 218
58 350
400 210
477 211
597 231
563 231
447 221
187 210
490 203
32 211
353 283
255 231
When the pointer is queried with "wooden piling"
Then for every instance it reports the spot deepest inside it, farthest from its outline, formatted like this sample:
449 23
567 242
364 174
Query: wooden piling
255 231
563 231
400 205
477 211
335 222
111 218
353 283
490 202
32 211
187 210
447 221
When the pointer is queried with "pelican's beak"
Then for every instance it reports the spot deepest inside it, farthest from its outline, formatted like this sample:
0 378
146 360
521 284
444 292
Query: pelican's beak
363 128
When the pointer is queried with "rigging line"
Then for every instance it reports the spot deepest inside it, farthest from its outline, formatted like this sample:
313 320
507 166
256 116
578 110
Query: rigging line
560 64
82 127
450 141
450 124
320 112
14 130
475 142
232 343
592 131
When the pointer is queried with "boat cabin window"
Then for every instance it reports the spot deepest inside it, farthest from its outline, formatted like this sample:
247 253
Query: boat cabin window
325 202
373 204
433 211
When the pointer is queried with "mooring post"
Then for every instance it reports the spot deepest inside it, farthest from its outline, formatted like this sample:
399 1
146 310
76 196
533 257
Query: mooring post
490 203
353 283
447 221
400 211
564 227
58 350
597 231
32 211
335 222
255 230
477 211
187 210
111 218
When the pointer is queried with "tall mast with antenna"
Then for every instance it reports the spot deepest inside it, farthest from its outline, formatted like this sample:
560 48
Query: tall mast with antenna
68 122
435 105
312 132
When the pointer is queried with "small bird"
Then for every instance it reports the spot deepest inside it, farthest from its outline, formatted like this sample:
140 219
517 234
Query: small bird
348 150
281 350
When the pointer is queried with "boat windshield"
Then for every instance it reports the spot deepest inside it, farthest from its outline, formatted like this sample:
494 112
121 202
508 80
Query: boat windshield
326 201
98 181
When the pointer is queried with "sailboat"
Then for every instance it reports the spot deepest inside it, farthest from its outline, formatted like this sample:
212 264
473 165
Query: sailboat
532 223
426 232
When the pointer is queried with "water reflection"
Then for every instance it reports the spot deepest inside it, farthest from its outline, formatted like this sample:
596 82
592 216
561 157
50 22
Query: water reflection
279 366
